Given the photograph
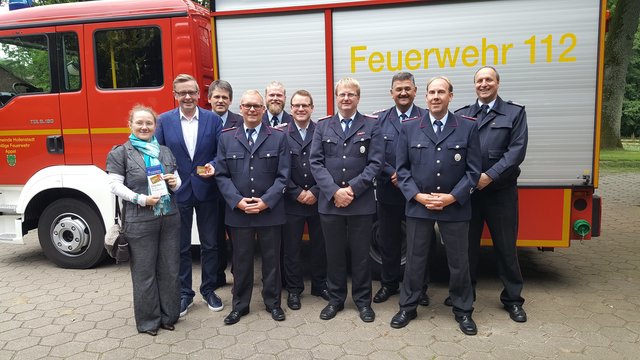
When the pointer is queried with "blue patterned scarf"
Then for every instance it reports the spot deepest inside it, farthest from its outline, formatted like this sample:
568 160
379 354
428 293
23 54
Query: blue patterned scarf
150 152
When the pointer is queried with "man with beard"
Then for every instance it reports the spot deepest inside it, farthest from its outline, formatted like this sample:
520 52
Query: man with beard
391 202
438 164
252 170
275 98
301 204
346 155
502 126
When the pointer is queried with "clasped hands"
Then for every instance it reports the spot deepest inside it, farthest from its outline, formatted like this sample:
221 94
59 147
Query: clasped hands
306 197
435 201
343 197
252 205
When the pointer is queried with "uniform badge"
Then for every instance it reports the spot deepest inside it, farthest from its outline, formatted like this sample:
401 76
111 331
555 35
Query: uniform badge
457 157
362 149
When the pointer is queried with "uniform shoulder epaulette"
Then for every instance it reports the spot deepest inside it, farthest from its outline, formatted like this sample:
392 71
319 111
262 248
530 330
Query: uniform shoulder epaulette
370 116
468 117
325 118
462 108
229 129
411 118
279 128
378 111
515 103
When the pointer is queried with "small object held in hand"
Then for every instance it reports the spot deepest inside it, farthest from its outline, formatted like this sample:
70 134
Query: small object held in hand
201 170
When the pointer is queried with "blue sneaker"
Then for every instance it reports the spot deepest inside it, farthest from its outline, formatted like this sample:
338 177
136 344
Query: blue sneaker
185 304
214 302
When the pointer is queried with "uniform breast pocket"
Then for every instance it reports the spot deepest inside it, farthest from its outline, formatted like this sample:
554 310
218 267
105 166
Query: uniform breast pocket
295 158
268 160
330 146
496 154
235 161
418 152
389 145
360 145
500 131
457 152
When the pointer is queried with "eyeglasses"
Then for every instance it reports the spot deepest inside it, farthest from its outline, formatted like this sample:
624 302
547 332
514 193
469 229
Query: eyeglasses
303 106
347 95
185 93
252 106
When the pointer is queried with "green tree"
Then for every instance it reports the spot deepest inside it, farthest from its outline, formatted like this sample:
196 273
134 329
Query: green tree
618 51
630 122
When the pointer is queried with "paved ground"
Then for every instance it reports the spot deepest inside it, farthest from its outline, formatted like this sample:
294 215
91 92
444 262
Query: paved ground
583 303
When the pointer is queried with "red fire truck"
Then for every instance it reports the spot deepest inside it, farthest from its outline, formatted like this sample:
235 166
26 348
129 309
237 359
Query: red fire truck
69 74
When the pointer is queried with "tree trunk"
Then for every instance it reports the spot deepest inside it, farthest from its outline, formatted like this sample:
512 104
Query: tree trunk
618 46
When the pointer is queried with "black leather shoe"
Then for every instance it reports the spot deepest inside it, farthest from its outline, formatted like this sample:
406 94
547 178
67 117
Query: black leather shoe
168 327
424 299
322 293
402 318
277 313
516 313
150 332
234 316
467 325
293 301
367 314
384 294
330 311
448 301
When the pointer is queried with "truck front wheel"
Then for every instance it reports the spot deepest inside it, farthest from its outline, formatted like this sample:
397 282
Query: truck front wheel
71 234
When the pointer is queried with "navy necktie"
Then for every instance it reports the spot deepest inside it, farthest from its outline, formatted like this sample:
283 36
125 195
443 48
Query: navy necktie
274 120
484 110
403 117
250 137
346 125
439 125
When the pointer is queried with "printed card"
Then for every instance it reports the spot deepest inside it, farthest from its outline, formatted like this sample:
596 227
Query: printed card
157 185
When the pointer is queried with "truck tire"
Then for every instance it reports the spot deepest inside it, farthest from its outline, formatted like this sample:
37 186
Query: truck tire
71 234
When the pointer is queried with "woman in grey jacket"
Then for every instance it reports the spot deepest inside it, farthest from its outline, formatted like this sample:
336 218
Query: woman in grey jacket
152 221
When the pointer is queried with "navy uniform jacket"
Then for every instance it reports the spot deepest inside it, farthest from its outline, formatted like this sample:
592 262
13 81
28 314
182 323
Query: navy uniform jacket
233 120
301 178
261 172
451 164
286 118
352 160
503 140
169 133
390 128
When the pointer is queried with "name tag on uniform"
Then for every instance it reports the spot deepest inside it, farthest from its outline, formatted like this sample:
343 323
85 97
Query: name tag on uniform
157 185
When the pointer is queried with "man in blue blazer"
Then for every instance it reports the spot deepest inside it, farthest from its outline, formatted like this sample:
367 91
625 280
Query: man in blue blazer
391 202
252 170
438 164
192 135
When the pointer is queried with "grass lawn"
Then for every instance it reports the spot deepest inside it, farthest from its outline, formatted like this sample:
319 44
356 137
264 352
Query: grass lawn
627 159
